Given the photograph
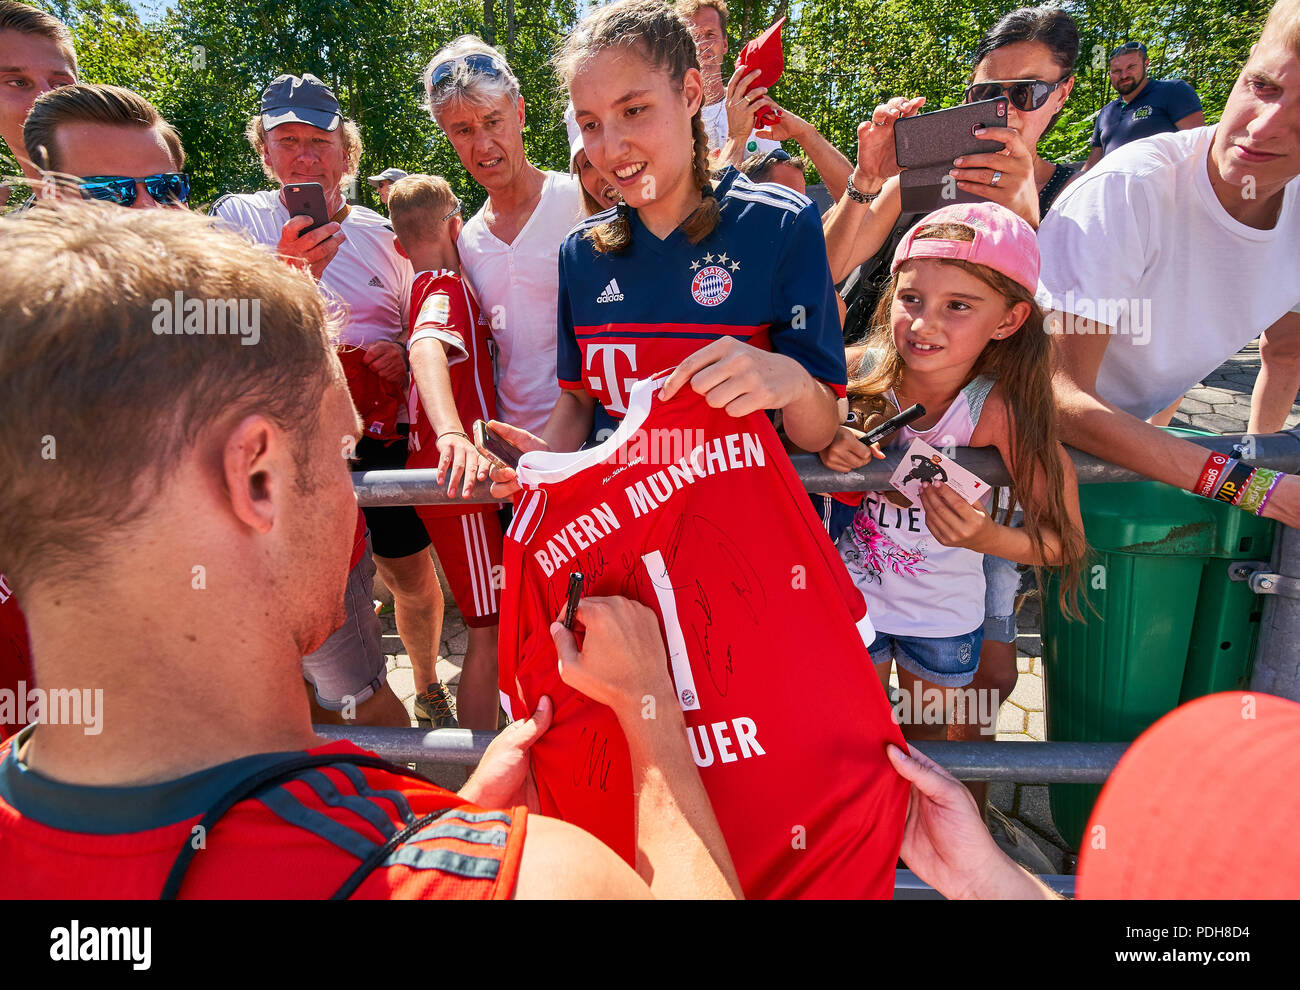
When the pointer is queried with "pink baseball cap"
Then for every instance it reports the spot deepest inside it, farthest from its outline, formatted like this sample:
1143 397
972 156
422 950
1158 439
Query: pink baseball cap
1003 241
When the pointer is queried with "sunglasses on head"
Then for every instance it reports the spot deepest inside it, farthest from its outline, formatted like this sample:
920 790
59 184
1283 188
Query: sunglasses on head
1024 94
165 187
485 64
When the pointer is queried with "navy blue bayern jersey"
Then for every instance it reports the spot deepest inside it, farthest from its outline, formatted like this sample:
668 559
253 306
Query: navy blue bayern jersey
760 276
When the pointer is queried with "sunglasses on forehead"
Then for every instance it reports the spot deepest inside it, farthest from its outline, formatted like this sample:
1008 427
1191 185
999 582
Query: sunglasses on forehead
1024 94
443 71
165 187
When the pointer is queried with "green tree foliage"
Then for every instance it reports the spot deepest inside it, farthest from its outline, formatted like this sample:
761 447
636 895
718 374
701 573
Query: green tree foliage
204 63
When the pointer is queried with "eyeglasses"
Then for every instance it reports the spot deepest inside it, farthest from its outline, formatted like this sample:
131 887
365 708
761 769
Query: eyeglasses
485 64
165 187
455 210
1024 94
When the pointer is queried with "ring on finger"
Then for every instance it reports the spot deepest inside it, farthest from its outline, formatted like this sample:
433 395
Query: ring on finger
997 176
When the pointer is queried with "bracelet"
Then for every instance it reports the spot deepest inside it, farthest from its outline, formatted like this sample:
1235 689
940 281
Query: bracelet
454 433
858 196
1253 494
1232 487
1214 467
1269 494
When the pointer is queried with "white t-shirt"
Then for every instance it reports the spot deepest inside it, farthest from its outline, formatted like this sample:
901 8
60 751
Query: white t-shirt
1141 243
715 122
518 288
367 276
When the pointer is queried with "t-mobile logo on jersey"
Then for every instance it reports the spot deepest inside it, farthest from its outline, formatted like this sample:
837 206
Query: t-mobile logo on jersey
606 354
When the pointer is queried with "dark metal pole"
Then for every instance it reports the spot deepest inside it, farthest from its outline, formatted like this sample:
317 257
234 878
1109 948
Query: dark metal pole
1049 762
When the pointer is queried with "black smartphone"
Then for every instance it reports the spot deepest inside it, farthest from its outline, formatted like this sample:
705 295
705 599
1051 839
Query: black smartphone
495 447
926 145
307 199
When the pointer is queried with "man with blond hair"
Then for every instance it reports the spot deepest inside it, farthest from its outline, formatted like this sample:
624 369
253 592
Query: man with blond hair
1165 260
183 549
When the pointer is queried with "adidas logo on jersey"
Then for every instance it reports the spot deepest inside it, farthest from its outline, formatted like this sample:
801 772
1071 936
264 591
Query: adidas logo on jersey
374 280
611 293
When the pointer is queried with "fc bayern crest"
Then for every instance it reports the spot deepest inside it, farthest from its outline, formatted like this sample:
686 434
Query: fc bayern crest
711 285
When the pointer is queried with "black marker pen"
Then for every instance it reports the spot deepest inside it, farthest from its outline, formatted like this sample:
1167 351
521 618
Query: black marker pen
908 415
575 594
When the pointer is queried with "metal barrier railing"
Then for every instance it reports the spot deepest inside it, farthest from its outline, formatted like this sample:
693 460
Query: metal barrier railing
1277 663
1042 763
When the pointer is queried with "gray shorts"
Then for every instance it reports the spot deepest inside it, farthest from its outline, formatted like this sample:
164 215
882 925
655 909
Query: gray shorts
350 665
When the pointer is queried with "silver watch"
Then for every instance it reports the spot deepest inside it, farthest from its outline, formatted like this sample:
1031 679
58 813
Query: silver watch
860 197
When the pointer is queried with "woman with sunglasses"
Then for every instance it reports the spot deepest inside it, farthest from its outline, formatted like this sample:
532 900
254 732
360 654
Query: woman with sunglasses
1029 58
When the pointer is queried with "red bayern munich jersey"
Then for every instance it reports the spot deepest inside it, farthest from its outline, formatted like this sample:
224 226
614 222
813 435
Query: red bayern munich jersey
700 516
444 309
300 840
15 660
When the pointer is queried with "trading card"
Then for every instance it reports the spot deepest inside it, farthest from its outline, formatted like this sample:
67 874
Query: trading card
923 463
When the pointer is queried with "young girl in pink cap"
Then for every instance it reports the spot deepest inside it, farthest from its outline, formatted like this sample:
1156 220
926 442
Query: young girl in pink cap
958 331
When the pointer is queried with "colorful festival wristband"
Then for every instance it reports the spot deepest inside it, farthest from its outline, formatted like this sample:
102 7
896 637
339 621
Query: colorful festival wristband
1215 465
1269 494
1253 493
1231 486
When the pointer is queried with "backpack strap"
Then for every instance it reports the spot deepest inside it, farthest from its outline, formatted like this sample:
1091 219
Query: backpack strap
281 773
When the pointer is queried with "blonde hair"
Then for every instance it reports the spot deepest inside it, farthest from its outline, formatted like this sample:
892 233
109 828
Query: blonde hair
417 205
664 40
1023 365
255 132
1284 24
83 361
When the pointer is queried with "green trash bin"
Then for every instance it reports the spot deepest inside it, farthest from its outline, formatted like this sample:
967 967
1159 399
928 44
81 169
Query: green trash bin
1170 625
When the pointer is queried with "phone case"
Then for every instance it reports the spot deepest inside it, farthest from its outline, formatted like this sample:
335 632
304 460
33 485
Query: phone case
925 147
307 199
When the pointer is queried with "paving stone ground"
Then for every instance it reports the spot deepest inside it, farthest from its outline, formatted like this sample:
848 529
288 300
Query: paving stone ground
1220 404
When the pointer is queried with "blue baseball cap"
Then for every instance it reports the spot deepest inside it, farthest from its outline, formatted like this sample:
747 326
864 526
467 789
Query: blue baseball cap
294 100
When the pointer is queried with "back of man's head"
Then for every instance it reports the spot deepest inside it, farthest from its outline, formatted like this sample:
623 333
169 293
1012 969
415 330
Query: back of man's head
26 19
418 206
118 353
90 104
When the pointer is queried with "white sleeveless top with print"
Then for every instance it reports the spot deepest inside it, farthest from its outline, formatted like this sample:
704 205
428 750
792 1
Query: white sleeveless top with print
913 584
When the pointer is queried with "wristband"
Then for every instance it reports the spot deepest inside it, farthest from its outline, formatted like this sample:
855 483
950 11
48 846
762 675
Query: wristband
1234 484
1213 470
857 195
1253 492
1269 494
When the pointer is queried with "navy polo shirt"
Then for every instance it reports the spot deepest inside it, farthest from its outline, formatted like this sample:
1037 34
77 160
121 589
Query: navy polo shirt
1156 110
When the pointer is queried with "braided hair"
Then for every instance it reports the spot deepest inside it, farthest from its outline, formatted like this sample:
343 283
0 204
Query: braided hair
664 39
